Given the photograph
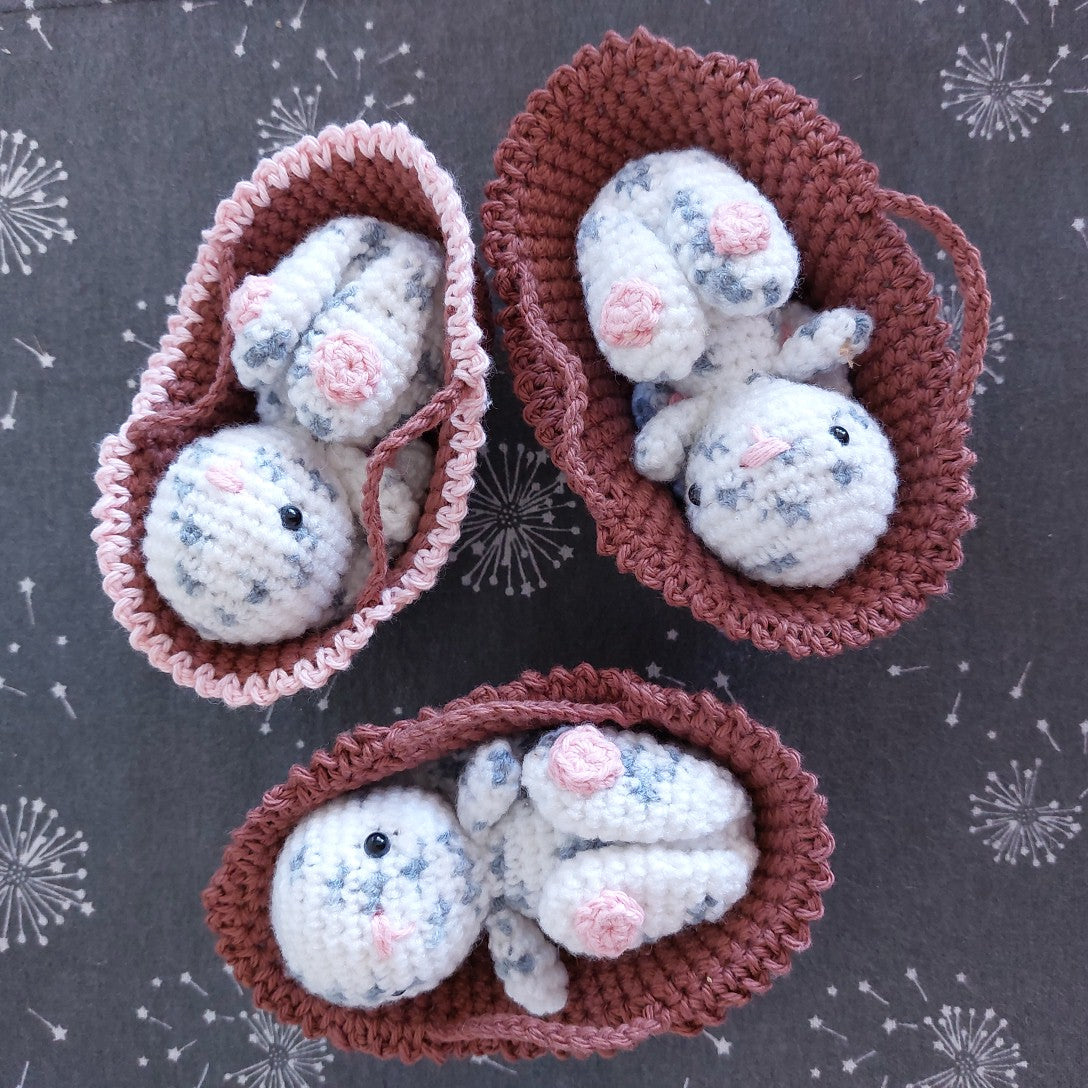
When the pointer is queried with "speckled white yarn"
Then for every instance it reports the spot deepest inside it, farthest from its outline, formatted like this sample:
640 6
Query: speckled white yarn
331 901
355 275
810 514
220 554
728 368
669 834
651 223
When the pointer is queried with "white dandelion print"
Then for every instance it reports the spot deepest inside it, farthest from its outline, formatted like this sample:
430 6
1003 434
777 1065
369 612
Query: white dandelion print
286 1058
997 342
38 884
897 1028
197 1029
517 527
289 120
981 94
1015 824
1079 227
977 1051
31 204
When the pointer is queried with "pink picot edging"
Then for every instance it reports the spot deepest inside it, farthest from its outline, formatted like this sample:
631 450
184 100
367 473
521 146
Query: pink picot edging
465 386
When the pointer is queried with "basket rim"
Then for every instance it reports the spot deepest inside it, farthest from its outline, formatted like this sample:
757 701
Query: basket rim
802 622
359 139
236 900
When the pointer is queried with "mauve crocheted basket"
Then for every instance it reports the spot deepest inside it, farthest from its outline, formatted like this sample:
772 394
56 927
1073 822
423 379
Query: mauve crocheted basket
638 95
680 984
190 389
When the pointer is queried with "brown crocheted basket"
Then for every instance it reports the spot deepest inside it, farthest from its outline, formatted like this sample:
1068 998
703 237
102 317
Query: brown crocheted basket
680 984
190 389
638 95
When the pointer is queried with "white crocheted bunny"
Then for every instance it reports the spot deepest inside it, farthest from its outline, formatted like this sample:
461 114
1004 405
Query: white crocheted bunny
254 534
344 335
687 271
595 840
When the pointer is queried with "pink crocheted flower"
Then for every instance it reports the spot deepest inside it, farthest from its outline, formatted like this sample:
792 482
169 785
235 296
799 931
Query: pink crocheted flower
739 228
245 303
610 923
582 761
346 367
630 314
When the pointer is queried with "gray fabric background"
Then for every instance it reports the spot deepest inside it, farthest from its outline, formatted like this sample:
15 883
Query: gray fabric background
954 755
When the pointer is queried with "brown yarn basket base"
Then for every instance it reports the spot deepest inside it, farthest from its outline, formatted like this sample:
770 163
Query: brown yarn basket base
679 984
630 97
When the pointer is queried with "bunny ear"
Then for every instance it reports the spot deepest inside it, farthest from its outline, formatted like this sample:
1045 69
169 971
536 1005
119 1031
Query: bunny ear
643 312
363 364
624 786
268 314
488 785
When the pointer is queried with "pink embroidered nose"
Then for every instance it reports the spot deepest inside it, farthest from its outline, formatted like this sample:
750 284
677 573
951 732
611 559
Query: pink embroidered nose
346 367
762 449
610 923
387 933
226 476
245 303
739 228
630 314
582 761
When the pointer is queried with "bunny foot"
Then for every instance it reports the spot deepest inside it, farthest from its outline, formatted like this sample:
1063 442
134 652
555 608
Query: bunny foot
610 923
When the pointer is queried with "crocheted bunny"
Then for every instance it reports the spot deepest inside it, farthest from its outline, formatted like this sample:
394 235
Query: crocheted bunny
253 534
344 335
742 395
594 839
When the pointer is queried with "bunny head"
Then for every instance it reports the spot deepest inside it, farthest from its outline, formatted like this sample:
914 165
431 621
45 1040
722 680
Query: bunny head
345 334
377 896
789 483
250 535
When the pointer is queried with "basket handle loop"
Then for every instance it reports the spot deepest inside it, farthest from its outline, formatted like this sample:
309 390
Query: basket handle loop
432 415
969 272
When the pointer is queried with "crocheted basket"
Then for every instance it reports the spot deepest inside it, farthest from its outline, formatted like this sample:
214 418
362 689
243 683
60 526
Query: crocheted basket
189 389
680 984
638 95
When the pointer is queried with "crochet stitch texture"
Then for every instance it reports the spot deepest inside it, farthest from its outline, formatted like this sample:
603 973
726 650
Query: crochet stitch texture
681 983
631 97
190 390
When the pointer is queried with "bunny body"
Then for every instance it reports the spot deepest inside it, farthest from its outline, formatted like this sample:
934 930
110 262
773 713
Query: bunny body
344 335
595 840
741 395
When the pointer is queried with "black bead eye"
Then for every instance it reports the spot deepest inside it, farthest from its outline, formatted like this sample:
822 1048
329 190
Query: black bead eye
841 435
695 496
291 516
377 844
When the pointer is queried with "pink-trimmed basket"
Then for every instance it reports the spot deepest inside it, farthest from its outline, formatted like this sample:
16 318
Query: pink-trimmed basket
189 389
680 984
632 96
